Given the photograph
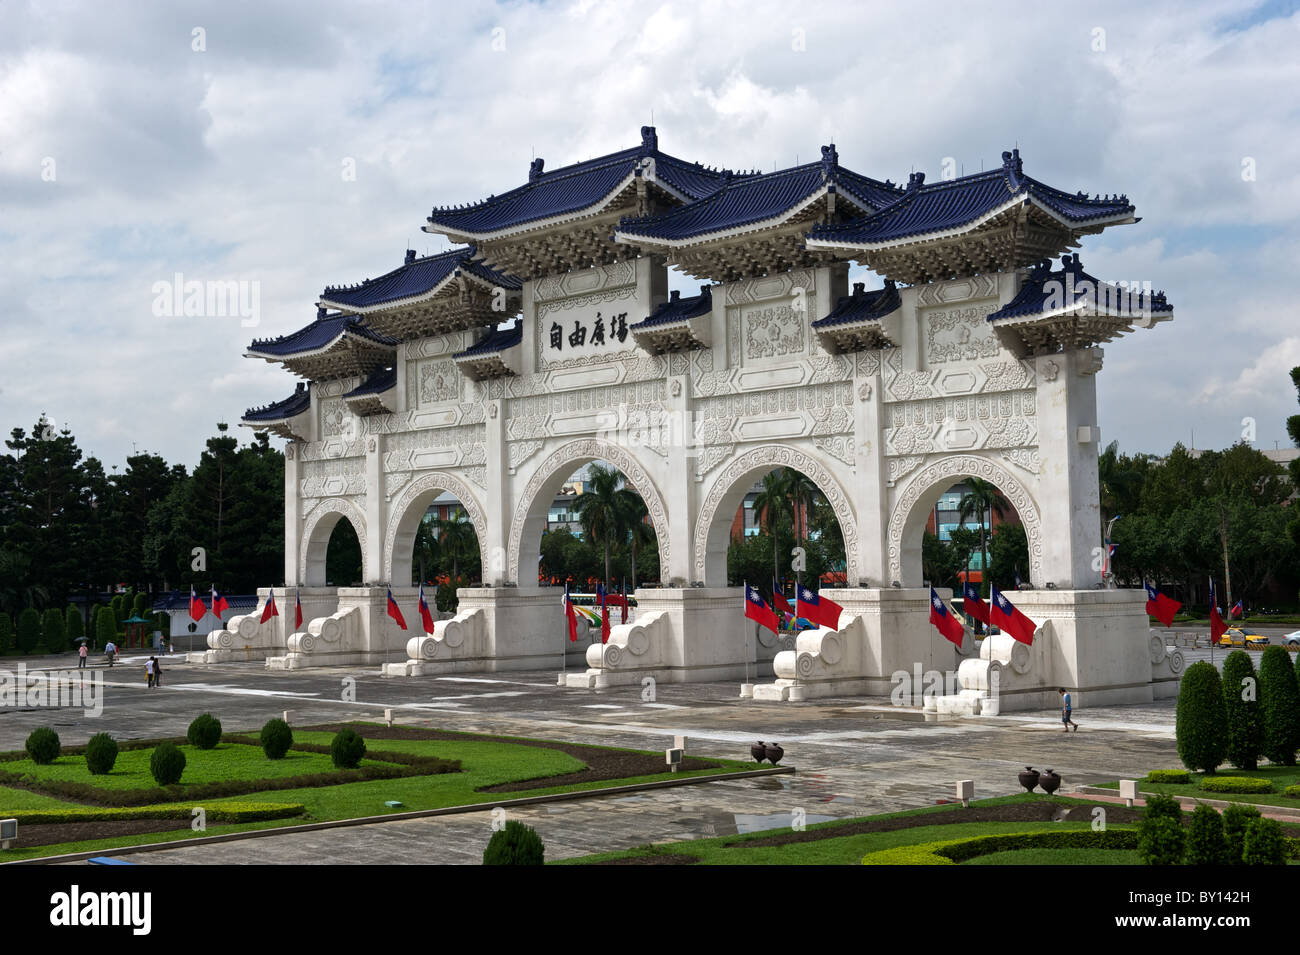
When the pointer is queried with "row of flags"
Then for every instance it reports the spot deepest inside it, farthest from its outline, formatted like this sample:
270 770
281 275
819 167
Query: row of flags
604 600
270 610
817 608
199 610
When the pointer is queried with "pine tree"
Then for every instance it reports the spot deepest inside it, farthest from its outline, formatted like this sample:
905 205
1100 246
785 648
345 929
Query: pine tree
1244 726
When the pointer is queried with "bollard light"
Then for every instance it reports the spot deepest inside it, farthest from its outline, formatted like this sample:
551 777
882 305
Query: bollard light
388 717
8 832
673 757
1128 790
966 791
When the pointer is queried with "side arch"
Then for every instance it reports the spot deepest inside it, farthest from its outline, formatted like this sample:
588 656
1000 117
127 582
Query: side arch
913 504
526 524
728 490
316 537
405 516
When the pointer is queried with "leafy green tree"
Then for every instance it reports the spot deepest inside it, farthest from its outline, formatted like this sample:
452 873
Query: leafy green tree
601 510
1281 705
1199 718
1243 726
457 540
73 627
29 630
427 552
1293 429
770 508
54 631
982 501
343 567
640 533
1008 554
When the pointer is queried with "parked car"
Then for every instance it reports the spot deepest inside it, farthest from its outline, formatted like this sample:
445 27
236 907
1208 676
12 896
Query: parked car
1243 637
1291 639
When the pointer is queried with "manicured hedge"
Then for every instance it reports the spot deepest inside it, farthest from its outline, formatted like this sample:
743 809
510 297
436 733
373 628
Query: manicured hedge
220 812
1244 726
1168 776
1292 791
1199 718
1236 784
950 851
1280 697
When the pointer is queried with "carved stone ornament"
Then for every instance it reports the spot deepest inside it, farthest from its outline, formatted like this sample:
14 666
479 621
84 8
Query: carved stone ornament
675 389
864 392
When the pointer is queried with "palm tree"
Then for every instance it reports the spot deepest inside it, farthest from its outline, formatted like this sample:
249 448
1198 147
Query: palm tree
982 500
768 506
802 493
601 509
428 550
455 537
640 533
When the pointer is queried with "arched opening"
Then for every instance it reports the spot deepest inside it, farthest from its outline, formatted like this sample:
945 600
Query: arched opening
343 556
435 536
331 557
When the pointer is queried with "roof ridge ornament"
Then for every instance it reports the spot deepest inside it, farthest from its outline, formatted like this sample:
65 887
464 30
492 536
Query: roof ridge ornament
830 160
915 181
649 139
410 256
535 169
1013 168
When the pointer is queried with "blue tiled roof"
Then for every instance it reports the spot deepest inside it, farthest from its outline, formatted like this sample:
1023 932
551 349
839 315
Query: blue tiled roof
317 335
951 204
1045 289
295 404
678 309
754 199
496 341
573 188
415 277
862 305
377 383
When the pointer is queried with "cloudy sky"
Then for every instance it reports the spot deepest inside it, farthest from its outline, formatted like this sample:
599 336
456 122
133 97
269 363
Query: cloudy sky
294 145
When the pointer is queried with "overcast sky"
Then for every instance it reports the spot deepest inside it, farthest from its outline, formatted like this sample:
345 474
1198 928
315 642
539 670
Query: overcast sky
217 141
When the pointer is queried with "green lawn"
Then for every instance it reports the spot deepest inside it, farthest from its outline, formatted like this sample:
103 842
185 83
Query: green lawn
11 798
1059 857
1281 777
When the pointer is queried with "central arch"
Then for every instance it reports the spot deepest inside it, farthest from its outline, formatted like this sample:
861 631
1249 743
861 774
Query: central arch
316 537
527 526
729 489
913 504
405 516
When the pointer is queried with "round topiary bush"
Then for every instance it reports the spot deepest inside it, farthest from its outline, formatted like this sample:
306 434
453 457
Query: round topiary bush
347 749
1160 841
205 731
1160 805
1264 843
1198 723
101 754
1168 776
1292 791
1280 698
1244 726
1236 819
276 738
1236 784
516 844
43 746
1205 842
167 763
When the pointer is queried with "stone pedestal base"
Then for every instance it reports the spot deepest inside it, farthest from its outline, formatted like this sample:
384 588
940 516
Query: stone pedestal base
245 638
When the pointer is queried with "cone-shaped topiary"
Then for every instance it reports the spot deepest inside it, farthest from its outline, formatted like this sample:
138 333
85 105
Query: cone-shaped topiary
73 626
43 746
516 844
1159 804
101 754
105 627
1200 717
54 630
1244 724
1236 818
6 632
347 749
1264 843
1205 842
276 738
1281 703
29 630
204 731
167 763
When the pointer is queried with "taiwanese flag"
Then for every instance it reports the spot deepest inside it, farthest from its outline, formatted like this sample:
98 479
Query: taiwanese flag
394 611
297 609
425 617
1161 607
604 613
756 609
570 615
778 600
945 622
269 610
820 610
1004 616
197 609
973 604
1237 611
1217 627
219 605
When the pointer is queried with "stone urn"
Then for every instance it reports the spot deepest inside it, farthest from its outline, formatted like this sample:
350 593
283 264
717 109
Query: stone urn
758 751
774 753
1029 779
1049 781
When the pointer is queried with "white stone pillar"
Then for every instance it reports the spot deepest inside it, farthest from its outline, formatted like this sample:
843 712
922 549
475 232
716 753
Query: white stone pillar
497 503
870 490
292 512
375 510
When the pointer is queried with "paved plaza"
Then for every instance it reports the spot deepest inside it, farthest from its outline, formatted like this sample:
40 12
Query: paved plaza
854 756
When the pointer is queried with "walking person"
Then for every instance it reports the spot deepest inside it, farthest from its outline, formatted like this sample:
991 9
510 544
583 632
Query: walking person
82 653
157 672
110 652
1065 712
148 670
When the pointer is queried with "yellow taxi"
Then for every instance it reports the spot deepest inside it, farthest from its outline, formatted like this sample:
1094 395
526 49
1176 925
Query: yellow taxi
1243 637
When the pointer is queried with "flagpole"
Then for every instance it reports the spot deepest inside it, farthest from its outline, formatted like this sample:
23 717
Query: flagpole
745 597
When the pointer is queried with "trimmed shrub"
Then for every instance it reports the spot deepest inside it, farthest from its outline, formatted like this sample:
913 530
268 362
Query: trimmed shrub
1168 776
204 731
6 633
1236 784
1236 819
43 746
952 851
73 626
347 749
1244 722
166 764
1292 791
105 628
117 606
101 754
516 844
28 630
1160 805
1205 842
220 812
1264 843
54 631
1160 841
276 738
1281 703
1200 717
140 606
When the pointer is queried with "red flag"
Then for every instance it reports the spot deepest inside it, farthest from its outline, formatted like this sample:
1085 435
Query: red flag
425 617
219 605
1161 607
778 600
946 623
604 613
570 615
974 605
756 609
622 603
394 611
818 608
197 608
1217 627
297 609
269 610
1004 615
